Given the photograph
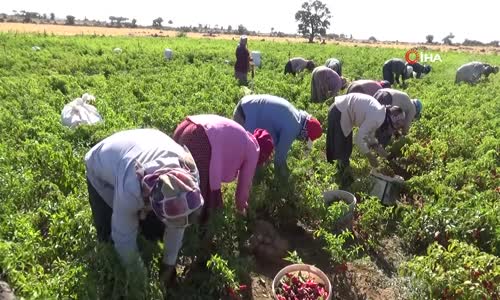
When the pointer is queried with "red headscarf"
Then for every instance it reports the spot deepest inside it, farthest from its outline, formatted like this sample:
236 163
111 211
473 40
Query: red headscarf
313 128
266 146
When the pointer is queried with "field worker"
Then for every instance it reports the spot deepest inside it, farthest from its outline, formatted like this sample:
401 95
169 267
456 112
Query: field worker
419 69
282 120
368 87
222 149
141 180
325 83
335 65
395 68
472 72
366 113
298 64
411 107
242 64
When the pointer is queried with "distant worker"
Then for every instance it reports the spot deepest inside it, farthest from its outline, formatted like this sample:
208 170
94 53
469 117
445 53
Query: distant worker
411 107
141 181
243 59
335 65
368 87
419 69
298 64
396 68
472 72
223 150
282 120
366 113
325 83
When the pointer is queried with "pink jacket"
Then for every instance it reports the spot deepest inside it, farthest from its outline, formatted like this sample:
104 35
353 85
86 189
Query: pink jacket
235 152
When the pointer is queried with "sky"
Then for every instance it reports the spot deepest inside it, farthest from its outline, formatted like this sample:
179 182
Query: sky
408 21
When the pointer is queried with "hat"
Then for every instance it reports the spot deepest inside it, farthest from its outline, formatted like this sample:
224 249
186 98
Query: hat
385 84
313 127
266 145
418 107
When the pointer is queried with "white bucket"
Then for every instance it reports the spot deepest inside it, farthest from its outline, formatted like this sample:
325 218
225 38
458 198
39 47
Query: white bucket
385 188
168 53
345 196
314 272
117 50
256 58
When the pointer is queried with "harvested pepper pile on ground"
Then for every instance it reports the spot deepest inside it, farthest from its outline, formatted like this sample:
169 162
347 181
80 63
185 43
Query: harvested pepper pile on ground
299 287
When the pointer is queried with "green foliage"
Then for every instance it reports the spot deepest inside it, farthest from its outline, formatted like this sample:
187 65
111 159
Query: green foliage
460 271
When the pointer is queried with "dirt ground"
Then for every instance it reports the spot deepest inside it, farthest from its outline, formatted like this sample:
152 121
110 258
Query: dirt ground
108 31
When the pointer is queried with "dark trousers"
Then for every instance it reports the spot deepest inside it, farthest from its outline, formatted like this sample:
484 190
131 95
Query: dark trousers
288 68
338 146
151 227
387 73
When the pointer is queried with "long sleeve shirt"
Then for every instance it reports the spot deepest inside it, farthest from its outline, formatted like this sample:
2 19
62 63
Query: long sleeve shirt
335 65
470 72
235 152
298 64
402 100
279 117
363 111
242 59
110 169
368 87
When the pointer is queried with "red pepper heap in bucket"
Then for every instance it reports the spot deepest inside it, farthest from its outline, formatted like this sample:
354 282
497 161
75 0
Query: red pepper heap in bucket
297 287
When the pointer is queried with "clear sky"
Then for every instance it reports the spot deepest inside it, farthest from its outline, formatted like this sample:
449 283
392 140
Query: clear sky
384 19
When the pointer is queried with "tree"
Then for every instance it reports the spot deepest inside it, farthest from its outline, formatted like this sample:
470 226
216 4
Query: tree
157 22
52 16
70 20
448 38
242 30
429 38
229 28
170 22
44 16
313 19
134 23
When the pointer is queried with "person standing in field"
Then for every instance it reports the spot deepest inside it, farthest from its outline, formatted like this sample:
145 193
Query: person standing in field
223 150
366 113
325 83
282 120
368 87
242 64
395 68
472 72
335 65
298 64
142 181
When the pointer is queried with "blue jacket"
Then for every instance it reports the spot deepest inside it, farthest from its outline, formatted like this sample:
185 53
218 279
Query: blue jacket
279 117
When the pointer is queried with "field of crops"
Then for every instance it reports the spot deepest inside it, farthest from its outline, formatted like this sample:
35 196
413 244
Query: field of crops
447 222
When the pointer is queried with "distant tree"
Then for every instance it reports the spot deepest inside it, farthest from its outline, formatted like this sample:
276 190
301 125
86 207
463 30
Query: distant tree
44 16
112 19
429 38
272 31
229 28
119 20
372 39
52 17
447 39
157 22
133 23
170 22
242 29
28 16
313 19
494 43
70 20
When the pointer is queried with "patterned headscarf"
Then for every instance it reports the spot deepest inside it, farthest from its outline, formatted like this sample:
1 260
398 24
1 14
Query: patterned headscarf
172 193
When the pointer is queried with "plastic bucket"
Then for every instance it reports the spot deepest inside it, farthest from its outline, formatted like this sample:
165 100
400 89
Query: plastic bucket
350 199
386 188
168 53
313 272
256 58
